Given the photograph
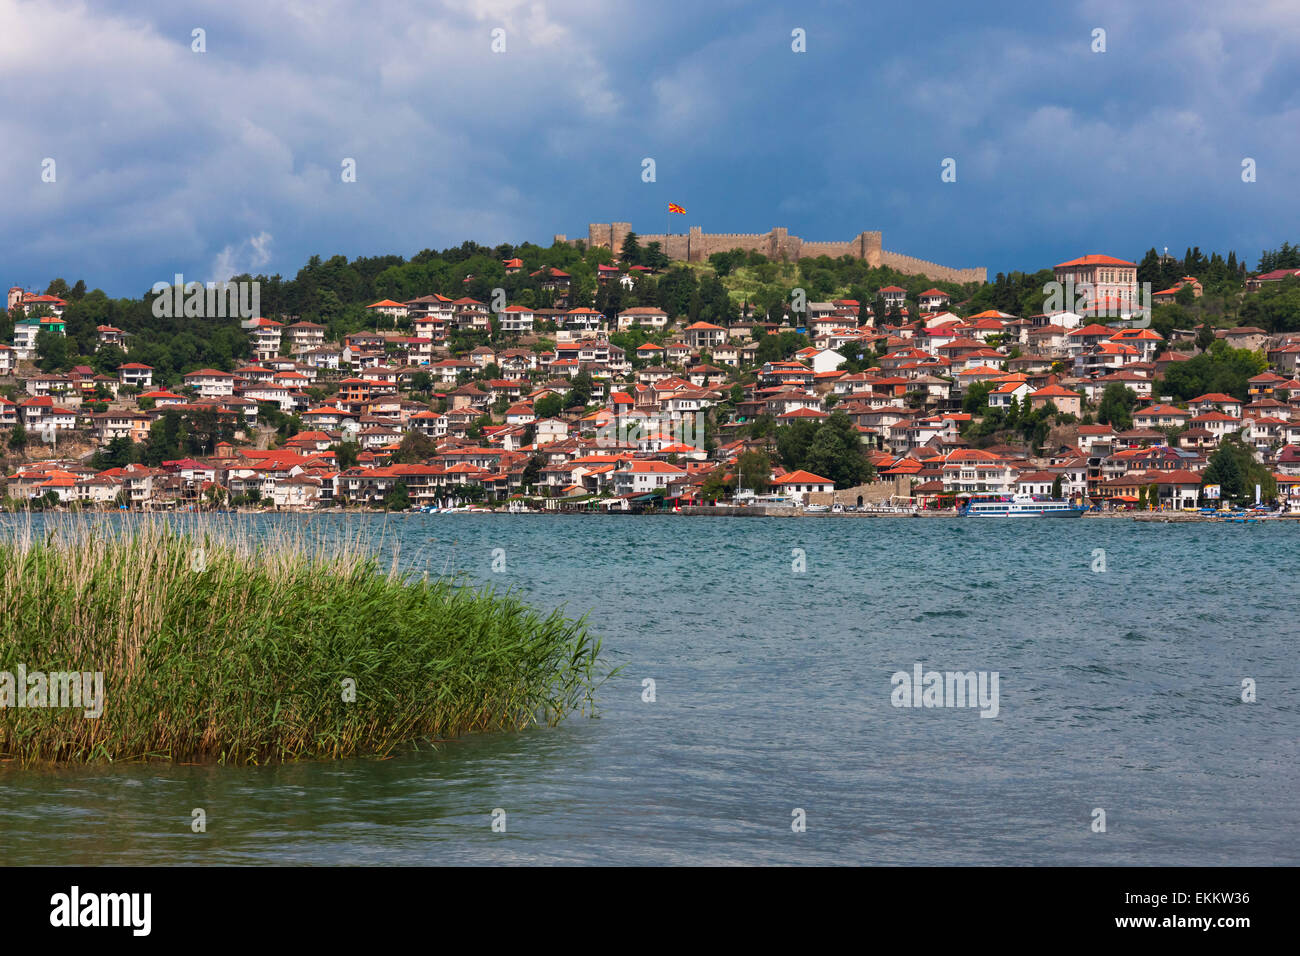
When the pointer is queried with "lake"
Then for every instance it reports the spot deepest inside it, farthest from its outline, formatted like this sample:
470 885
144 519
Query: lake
1118 689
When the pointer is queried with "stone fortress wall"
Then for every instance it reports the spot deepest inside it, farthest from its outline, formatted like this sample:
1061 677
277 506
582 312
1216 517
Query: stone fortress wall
696 246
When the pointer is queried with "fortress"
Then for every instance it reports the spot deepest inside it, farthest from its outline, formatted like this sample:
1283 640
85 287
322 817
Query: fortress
696 246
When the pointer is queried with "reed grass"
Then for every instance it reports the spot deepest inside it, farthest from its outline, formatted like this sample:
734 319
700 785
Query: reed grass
221 642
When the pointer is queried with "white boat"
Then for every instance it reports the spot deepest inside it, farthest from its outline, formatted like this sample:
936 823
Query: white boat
817 509
1019 506
746 498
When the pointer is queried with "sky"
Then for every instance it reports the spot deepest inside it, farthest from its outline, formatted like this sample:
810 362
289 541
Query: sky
167 160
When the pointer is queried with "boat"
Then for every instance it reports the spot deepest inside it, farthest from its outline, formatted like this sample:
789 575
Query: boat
817 509
745 498
1019 506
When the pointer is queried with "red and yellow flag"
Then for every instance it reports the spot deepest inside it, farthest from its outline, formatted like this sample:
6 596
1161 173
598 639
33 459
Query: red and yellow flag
673 207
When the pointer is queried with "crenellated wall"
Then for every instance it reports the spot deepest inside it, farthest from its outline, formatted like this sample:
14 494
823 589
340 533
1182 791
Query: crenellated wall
696 246
931 270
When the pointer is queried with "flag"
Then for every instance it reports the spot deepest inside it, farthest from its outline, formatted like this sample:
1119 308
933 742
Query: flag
673 207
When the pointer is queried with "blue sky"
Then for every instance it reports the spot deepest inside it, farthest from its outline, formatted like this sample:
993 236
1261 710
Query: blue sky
168 161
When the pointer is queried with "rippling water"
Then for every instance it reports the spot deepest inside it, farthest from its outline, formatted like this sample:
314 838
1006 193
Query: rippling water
1119 690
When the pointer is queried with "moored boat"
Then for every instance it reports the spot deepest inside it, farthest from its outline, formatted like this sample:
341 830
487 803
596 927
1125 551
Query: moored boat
1019 506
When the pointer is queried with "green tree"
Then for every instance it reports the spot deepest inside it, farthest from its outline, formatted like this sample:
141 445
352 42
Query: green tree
754 471
415 448
1234 468
52 349
976 399
346 454
580 394
548 406
1116 407
18 437
1221 368
630 253
398 499
533 471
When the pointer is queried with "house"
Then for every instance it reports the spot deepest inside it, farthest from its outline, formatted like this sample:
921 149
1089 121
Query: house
801 484
305 336
931 300
581 320
1066 401
1216 402
703 335
31 300
643 317
265 337
107 426
516 319
547 431
210 382
640 476
1147 342
135 375
1255 283
1217 424
108 335
1001 396
1037 483
976 471
1170 295
1090 435
1161 416
395 310
1110 284
1243 337
26 332
894 298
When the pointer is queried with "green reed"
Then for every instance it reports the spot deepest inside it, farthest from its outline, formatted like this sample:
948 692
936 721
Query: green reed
219 643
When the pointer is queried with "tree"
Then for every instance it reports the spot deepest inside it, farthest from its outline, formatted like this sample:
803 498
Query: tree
533 471
754 470
1056 487
976 399
346 453
398 499
654 257
1204 337
415 448
831 449
630 253
548 406
52 347
1221 368
1116 408
580 394
1233 467
18 437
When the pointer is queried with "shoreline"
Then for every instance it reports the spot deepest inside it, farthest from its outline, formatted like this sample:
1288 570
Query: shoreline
689 511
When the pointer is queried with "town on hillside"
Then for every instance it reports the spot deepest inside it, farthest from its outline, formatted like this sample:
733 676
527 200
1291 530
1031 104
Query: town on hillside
594 379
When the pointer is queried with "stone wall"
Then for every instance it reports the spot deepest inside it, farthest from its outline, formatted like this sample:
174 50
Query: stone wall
931 270
877 492
695 245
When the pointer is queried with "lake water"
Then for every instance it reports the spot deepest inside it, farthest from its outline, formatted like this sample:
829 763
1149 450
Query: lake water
1119 690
